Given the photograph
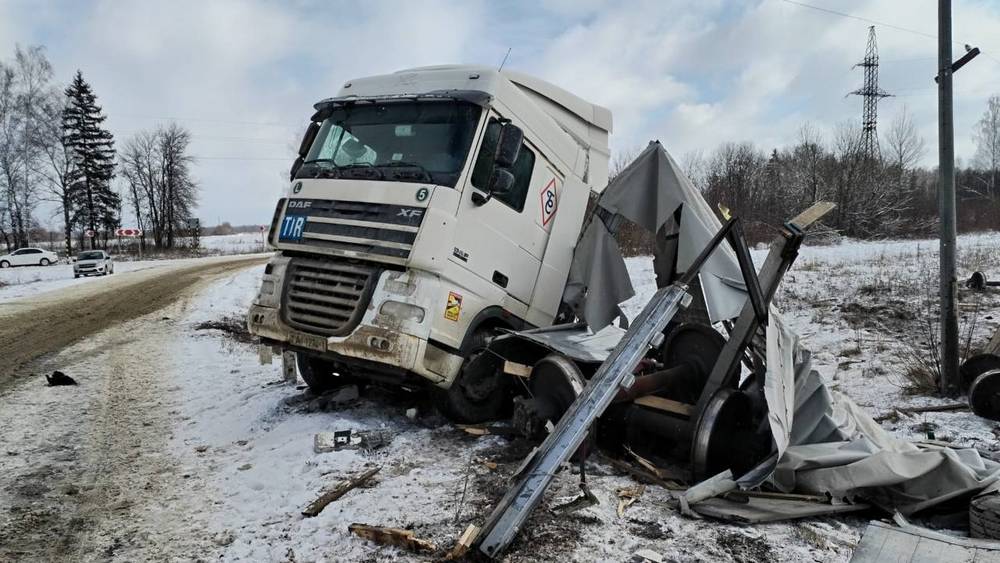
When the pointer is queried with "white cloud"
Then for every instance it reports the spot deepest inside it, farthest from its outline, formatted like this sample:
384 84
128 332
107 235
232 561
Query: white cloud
693 74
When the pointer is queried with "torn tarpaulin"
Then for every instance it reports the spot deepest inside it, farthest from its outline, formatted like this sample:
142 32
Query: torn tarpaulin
650 192
826 444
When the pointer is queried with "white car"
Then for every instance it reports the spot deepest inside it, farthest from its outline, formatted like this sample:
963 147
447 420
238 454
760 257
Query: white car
28 257
93 263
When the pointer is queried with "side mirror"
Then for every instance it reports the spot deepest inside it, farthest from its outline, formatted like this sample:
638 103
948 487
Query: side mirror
308 138
295 168
501 182
508 145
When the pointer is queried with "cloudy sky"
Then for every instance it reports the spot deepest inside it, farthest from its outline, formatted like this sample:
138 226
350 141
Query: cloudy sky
242 75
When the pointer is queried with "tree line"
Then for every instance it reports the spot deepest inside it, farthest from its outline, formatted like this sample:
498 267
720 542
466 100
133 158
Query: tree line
55 149
878 196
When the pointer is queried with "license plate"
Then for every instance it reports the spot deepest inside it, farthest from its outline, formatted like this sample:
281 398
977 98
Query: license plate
292 227
307 341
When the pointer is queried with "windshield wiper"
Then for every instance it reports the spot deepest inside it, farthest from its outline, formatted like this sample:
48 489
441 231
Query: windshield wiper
361 169
401 164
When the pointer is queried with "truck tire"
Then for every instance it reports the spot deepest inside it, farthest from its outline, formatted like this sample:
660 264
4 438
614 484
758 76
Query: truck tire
984 517
480 392
319 375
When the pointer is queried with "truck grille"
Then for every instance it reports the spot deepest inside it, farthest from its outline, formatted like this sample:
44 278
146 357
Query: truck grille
327 296
377 231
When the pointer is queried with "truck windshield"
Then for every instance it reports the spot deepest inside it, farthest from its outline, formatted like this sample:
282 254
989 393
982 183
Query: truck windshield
400 141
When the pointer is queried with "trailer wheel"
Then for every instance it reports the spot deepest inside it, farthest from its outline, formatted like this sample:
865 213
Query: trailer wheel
984 517
319 375
480 392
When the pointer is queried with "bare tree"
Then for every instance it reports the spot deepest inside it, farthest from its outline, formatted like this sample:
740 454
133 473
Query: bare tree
904 145
60 173
160 190
987 137
25 85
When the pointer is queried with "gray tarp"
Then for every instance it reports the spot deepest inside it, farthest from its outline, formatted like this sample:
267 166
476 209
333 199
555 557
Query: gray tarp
827 444
649 192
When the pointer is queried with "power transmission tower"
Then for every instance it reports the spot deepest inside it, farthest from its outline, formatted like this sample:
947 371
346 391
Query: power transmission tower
871 94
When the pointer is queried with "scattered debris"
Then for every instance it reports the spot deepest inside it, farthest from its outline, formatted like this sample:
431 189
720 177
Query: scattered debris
491 465
464 543
411 413
984 395
342 488
59 378
233 327
709 488
978 282
201 449
758 510
325 442
628 496
244 467
659 472
585 500
885 542
644 555
391 536
917 410
641 475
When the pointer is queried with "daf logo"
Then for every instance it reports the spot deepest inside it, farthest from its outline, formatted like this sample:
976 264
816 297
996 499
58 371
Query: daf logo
410 213
297 187
300 203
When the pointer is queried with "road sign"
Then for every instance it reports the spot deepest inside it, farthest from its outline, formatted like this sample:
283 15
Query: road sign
89 233
128 232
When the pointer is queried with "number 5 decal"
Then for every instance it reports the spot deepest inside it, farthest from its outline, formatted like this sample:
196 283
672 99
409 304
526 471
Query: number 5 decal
550 202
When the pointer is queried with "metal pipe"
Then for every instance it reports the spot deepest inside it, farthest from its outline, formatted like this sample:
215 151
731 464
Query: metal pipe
946 195
652 383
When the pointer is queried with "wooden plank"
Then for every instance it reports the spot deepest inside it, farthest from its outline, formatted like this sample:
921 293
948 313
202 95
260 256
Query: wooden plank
815 212
669 405
760 510
514 368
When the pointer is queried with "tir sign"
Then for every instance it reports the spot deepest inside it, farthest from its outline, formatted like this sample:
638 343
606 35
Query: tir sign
291 228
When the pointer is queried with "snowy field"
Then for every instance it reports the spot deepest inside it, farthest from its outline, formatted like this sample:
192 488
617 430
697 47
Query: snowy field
24 281
218 462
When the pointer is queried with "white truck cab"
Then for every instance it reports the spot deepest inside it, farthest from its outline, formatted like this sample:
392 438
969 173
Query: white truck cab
428 208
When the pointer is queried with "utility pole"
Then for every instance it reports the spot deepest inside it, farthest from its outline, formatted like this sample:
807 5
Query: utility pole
946 200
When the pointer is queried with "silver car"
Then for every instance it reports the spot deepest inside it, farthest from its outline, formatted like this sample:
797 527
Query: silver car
93 263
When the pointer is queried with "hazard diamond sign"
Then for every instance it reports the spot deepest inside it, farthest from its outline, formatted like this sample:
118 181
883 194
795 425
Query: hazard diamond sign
550 202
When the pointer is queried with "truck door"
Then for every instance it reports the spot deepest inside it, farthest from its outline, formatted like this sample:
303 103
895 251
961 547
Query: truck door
503 241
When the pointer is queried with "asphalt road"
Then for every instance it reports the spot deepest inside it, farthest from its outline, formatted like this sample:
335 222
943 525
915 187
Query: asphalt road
34 327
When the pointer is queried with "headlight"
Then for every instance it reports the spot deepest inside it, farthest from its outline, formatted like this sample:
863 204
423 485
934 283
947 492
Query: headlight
267 287
402 311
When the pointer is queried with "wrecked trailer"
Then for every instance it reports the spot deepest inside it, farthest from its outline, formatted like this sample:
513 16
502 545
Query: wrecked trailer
672 386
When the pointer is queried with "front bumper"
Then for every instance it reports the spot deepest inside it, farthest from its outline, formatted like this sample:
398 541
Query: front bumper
379 340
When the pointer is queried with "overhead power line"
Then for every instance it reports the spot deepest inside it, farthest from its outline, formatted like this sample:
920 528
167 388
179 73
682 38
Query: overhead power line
876 22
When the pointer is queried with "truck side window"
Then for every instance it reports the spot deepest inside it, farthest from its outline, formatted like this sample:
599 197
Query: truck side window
522 168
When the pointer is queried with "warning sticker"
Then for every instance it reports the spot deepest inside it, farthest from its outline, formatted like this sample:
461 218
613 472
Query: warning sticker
453 307
550 202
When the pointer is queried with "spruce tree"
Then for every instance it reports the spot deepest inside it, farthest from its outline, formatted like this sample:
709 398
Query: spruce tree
95 204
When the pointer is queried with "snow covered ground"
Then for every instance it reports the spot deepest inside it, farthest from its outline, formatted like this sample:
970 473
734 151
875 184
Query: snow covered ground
212 456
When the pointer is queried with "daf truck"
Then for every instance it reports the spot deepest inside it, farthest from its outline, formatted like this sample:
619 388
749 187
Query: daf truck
428 209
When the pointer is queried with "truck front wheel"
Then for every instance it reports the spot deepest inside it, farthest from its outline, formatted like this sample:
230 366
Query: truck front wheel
319 374
480 392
